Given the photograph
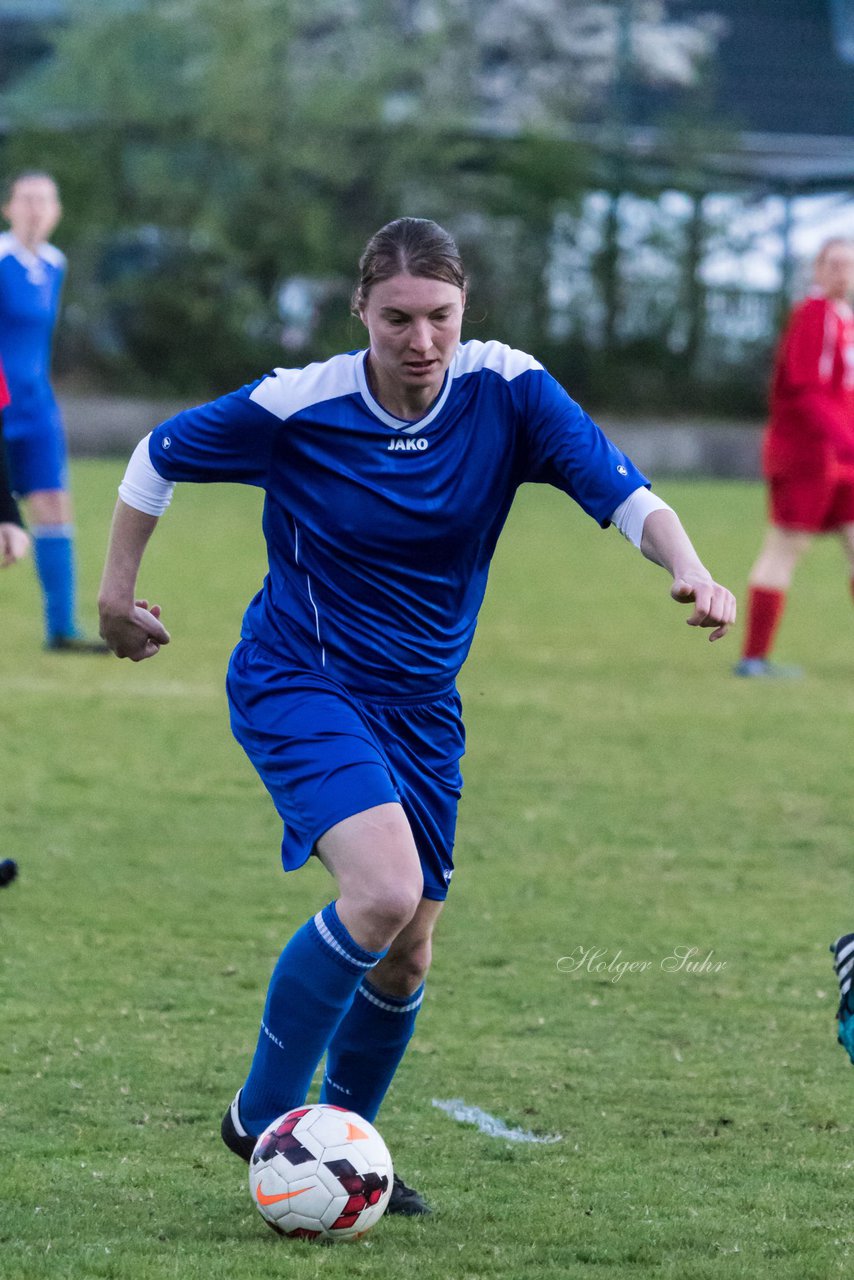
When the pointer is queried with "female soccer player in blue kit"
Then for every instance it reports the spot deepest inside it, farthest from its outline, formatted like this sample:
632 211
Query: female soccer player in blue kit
388 475
32 272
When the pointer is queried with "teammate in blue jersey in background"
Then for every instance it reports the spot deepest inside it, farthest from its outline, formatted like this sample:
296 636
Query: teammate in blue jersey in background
31 276
388 475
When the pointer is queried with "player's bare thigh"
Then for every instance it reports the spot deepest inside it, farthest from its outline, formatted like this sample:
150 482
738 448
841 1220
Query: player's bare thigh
373 857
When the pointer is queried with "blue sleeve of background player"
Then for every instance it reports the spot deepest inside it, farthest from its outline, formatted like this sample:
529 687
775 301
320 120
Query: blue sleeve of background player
228 439
565 448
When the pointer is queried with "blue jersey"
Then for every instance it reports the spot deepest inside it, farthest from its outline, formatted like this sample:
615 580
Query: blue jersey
30 288
379 531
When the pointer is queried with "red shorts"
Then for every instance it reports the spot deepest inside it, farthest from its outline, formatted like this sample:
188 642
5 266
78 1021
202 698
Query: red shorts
816 504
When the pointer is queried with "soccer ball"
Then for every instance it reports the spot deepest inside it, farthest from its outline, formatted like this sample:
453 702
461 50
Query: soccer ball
321 1172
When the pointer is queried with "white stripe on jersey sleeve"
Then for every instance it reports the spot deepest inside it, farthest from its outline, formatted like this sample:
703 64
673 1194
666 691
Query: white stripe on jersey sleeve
287 391
502 359
143 487
630 515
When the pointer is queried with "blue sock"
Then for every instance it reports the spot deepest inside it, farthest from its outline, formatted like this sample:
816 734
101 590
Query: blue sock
53 552
367 1048
312 986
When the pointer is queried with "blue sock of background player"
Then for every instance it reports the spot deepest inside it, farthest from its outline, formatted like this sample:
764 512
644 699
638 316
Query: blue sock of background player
367 1048
53 552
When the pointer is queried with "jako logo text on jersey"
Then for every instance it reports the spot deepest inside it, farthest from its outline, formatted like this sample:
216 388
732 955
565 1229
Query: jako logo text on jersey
408 444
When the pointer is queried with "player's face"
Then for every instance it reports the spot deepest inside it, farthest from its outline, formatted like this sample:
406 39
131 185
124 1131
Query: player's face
834 271
414 326
33 210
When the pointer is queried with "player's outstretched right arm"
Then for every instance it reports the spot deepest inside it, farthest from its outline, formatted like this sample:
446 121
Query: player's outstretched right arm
130 627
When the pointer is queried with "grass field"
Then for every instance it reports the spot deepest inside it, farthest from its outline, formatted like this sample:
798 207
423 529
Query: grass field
623 794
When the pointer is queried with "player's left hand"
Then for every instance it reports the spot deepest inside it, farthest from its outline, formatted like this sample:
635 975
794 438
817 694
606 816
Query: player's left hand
714 605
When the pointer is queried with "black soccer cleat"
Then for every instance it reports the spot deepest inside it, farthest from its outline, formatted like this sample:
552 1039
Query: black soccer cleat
234 1135
406 1201
842 951
75 644
8 871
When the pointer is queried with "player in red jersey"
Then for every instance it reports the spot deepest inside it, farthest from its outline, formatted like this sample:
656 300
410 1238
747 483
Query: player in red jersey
808 450
14 541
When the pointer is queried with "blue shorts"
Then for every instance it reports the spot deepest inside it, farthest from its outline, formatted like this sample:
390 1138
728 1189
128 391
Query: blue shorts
325 755
36 453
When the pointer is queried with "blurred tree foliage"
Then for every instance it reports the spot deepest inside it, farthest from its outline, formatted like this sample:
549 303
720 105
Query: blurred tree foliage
275 135
209 151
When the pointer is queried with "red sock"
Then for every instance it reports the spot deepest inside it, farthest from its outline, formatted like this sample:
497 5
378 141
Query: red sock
764 610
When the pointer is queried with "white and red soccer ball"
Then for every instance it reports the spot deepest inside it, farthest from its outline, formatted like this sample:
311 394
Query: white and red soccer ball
321 1172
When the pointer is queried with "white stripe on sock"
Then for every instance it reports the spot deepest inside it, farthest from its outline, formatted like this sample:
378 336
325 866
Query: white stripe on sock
376 999
331 941
52 530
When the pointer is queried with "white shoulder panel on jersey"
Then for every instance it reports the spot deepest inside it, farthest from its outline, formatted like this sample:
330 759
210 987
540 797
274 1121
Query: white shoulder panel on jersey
53 256
10 245
496 356
287 391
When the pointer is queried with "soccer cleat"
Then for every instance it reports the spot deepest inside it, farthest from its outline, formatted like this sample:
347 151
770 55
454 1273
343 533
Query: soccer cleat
234 1135
75 644
842 951
405 1201
761 668
8 871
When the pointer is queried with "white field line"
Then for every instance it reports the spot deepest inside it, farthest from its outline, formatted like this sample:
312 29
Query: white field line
490 1125
55 688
